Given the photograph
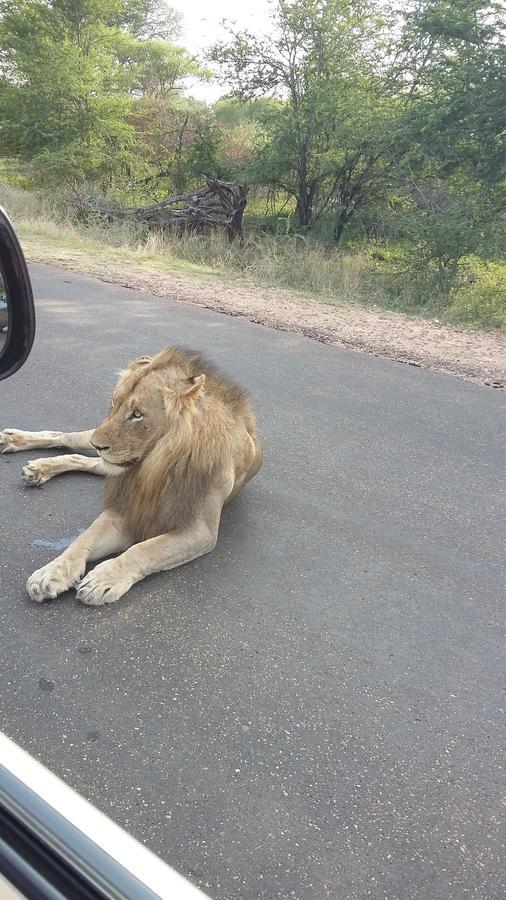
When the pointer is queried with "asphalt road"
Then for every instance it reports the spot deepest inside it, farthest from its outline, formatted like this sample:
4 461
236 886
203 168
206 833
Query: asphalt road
314 709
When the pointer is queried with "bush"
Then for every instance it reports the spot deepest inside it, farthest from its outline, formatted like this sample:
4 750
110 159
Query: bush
398 276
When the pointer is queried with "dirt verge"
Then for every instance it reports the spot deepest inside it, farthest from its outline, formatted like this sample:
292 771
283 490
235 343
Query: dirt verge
473 355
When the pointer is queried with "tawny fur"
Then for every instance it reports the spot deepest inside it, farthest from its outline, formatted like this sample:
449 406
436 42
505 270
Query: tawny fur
179 441
165 490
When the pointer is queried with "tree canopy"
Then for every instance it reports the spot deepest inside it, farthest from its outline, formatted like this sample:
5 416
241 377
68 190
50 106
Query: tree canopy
349 113
72 73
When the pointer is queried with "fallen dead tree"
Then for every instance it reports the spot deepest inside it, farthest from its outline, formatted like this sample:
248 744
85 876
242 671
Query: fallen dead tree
220 204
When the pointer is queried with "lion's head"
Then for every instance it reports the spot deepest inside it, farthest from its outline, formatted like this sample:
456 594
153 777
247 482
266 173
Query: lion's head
153 399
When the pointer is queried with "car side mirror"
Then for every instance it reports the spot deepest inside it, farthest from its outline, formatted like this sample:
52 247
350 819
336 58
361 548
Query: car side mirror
17 313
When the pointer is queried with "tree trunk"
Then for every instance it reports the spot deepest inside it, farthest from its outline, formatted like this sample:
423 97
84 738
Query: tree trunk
302 211
235 228
341 223
304 194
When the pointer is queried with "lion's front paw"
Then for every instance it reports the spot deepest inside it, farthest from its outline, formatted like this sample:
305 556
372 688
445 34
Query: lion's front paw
105 584
35 473
11 440
56 577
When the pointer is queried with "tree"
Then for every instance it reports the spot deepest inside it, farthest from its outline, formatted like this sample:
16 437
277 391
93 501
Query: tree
148 20
70 73
180 142
326 136
453 61
154 68
243 134
450 65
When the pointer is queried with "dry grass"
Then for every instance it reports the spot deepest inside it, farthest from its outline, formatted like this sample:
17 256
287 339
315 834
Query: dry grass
214 275
289 262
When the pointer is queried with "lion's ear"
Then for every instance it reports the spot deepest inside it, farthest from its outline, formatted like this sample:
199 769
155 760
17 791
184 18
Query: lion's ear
190 390
193 387
135 364
140 361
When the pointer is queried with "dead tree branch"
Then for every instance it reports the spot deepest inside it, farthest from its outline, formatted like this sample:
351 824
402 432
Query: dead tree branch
220 204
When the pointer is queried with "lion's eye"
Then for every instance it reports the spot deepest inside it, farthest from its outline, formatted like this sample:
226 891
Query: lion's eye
136 415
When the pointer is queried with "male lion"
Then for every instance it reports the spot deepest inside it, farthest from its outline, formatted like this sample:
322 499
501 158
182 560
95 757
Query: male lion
178 442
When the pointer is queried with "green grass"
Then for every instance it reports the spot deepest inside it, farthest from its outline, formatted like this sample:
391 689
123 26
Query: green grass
477 299
289 262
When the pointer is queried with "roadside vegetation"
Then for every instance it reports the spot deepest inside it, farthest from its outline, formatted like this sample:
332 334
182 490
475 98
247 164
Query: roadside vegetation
371 140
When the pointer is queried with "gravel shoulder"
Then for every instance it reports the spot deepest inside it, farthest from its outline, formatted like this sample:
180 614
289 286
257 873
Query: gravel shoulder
472 355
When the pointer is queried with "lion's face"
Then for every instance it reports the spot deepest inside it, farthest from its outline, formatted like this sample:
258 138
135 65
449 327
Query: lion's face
142 412
136 421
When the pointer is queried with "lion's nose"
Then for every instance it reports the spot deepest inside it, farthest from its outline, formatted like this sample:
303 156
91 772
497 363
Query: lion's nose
99 448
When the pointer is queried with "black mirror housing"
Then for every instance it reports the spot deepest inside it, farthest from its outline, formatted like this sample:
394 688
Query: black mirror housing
19 297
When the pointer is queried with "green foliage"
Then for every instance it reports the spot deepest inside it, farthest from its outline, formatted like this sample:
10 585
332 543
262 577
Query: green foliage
379 131
359 119
148 19
231 113
325 141
479 300
180 142
367 274
453 62
445 227
71 76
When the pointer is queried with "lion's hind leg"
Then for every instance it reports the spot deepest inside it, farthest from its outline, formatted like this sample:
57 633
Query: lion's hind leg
12 440
38 471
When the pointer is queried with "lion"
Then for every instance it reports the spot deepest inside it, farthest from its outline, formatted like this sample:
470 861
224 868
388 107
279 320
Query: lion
178 443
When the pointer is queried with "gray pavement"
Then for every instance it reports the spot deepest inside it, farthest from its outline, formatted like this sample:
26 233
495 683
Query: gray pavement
313 710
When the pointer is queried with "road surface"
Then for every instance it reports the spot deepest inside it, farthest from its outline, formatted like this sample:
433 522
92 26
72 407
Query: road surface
314 709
